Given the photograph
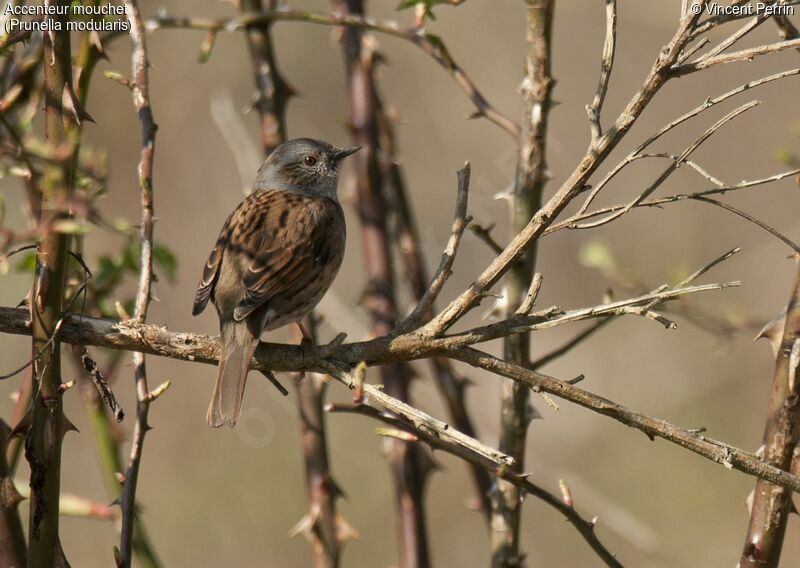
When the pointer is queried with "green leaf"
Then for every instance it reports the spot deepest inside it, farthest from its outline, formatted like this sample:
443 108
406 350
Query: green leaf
27 263
165 259
597 255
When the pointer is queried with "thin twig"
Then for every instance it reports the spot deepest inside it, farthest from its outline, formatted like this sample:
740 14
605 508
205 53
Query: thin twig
574 184
747 184
449 382
674 165
443 272
584 526
141 101
743 55
774 232
419 419
707 104
607 64
562 350
430 44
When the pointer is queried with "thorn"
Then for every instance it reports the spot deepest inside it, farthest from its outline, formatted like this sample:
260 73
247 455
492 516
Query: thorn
70 102
429 463
69 426
306 523
344 530
120 477
64 387
333 487
23 425
117 557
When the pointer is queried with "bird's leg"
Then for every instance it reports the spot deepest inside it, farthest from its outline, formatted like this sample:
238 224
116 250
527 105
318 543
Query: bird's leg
307 339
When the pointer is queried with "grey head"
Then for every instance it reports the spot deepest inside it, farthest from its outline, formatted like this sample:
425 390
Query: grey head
303 165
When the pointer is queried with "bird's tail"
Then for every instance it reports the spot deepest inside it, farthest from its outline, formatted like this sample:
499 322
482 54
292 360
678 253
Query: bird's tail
237 347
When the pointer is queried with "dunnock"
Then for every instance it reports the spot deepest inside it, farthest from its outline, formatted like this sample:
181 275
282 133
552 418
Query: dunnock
275 258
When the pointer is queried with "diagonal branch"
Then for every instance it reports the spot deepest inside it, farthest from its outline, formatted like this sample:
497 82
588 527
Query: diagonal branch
574 184
585 527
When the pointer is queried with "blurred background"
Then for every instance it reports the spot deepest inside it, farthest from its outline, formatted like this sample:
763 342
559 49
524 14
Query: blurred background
229 498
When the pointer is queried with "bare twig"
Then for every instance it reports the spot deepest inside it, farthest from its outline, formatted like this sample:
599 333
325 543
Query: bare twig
322 524
772 504
100 383
707 104
198 348
451 385
743 55
419 419
584 526
272 91
443 272
714 450
141 101
607 64
574 184
674 165
430 44
658 202
733 38
562 350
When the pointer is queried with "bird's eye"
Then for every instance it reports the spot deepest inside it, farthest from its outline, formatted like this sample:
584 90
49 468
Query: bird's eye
310 160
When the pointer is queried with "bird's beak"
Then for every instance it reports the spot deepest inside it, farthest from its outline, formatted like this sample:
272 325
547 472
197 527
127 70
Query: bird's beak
341 153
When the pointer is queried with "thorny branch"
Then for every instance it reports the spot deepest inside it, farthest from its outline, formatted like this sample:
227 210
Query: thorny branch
141 100
45 426
409 464
531 176
771 504
419 337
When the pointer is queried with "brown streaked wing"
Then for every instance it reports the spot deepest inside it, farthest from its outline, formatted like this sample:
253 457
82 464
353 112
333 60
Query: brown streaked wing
208 280
294 227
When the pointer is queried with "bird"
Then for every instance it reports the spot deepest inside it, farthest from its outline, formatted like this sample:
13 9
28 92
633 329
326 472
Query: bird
275 258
